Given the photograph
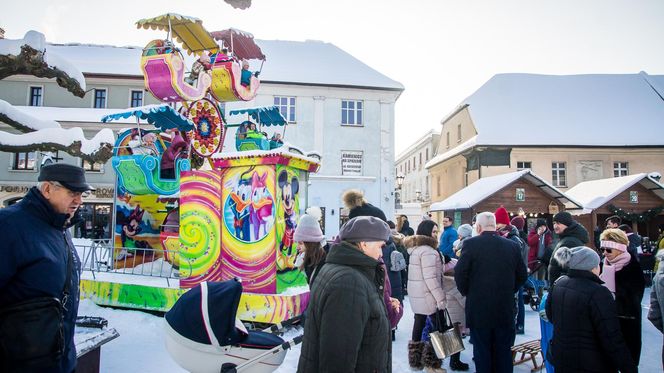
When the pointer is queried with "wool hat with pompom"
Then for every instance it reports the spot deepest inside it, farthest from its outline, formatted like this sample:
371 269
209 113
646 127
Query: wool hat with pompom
581 258
501 216
308 230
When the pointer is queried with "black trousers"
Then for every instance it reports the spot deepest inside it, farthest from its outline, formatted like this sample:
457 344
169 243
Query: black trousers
420 322
491 349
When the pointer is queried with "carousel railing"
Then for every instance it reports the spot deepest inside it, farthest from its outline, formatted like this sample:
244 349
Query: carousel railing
100 256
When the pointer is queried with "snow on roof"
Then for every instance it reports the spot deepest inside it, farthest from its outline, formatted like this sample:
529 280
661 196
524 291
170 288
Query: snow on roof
308 62
37 41
61 114
485 187
569 110
452 152
595 193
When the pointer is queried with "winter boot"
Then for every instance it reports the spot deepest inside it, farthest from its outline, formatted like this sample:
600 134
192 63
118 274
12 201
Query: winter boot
457 364
415 355
432 364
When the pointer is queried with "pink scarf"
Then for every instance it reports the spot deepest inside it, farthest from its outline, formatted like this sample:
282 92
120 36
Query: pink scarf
612 266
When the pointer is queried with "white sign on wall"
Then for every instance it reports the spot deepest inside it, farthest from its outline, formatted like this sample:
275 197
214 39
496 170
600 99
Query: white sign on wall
351 163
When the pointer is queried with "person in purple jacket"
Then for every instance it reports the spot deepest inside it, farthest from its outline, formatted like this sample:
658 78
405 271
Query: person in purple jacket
178 144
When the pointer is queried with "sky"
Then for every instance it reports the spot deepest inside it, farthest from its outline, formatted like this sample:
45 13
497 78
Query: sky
440 50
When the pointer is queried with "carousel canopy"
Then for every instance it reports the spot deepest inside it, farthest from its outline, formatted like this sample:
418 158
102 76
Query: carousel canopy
265 116
240 42
188 31
161 116
485 187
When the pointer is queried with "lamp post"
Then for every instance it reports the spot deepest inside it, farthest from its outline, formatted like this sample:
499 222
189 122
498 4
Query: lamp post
397 191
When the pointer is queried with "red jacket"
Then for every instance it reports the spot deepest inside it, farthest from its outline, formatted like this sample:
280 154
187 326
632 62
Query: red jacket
533 243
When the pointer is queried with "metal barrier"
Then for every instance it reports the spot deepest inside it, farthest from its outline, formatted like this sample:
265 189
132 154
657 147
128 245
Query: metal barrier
101 256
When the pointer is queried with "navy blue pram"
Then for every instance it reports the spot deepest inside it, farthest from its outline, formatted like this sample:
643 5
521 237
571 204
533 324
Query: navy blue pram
203 334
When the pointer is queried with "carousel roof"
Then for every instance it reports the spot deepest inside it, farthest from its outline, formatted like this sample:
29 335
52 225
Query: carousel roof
485 187
161 116
264 115
596 193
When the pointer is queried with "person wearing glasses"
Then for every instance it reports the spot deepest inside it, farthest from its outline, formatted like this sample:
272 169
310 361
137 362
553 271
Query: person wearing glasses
37 252
622 275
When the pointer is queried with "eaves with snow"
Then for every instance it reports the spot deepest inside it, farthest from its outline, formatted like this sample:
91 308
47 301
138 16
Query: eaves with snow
288 62
485 187
596 110
596 193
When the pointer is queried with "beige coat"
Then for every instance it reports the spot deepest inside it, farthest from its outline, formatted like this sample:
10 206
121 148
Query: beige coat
425 276
456 303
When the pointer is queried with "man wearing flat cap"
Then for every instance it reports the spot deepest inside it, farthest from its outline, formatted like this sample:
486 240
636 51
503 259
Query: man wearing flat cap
39 259
347 329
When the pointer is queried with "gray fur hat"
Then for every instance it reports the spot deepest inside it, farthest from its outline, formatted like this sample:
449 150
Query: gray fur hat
465 230
365 229
581 257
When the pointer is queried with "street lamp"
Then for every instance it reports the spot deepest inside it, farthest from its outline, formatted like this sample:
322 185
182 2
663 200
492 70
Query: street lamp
397 191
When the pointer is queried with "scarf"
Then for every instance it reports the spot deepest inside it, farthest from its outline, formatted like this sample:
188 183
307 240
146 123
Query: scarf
541 247
612 266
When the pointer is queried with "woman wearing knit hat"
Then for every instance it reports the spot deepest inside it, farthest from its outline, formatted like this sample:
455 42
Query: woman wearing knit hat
622 275
309 239
347 328
586 332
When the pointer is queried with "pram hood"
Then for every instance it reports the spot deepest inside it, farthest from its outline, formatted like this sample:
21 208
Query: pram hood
189 315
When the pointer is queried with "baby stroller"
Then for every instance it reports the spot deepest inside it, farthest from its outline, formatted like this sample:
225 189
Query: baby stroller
203 335
534 287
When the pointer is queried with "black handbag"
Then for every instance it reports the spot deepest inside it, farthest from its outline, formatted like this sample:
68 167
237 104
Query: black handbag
32 331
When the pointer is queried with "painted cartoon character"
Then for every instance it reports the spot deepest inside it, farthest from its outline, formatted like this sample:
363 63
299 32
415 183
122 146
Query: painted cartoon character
240 206
261 205
130 229
289 189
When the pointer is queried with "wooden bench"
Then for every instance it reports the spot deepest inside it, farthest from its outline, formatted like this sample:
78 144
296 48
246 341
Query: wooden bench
528 351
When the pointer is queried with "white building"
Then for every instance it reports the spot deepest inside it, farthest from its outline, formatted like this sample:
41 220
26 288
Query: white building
336 105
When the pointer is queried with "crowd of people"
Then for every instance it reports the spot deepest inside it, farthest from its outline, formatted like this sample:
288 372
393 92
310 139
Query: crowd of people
471 278
468 279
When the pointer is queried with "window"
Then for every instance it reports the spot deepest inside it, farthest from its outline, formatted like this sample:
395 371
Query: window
620 169
136 99
523 165
420 161
35 96
558 174
447 135
438 185
92 167
351 113
24 161
286 107
459 133
414 163
100 99
427 154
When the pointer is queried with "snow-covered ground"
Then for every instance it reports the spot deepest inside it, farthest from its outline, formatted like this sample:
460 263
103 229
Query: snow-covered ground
140 347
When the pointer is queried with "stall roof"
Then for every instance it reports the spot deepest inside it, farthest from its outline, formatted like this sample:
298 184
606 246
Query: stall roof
487 186
595 193
161 116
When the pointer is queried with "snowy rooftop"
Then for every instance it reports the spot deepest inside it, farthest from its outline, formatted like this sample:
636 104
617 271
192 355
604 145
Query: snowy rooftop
310 62
598 110
485 187
594 194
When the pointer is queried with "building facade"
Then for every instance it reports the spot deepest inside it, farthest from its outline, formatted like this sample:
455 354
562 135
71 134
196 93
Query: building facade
346 115
566 129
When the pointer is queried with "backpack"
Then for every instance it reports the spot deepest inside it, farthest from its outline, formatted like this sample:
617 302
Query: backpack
523 246
398 262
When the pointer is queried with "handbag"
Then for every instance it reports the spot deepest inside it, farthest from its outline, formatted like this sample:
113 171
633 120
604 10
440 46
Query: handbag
32 331
447 342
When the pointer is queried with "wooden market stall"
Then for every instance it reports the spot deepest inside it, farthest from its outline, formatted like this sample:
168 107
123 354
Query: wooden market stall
521 193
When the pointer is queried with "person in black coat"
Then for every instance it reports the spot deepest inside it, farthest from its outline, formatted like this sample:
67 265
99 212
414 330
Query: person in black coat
36 249
347 328
622 275
586 332
571 234
488 273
